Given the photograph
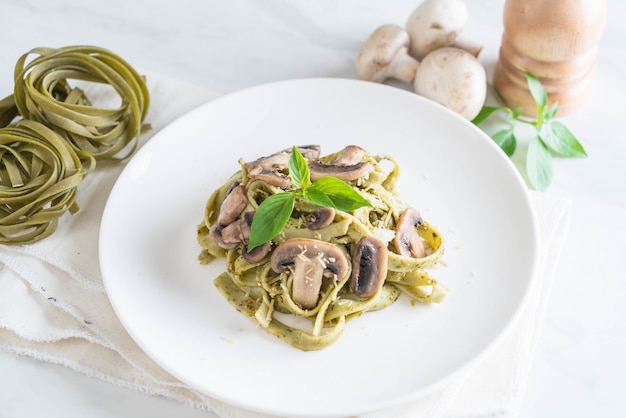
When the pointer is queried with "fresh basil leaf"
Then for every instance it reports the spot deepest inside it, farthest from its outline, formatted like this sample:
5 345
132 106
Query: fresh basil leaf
339 193
318 197
270 218
560 140
506 140
299 170
538 92
484 113
539 165
551 112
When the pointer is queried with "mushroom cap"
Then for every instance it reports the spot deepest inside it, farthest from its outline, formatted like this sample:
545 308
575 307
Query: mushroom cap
257 254
377 54
350 155
215 232
407 241
233 204
369 267
237 232
336 263
435 24
319 169
309 260
346 166
454 78
320 218
268 168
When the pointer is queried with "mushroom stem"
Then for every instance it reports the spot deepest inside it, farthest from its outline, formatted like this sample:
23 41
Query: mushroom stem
403 68
309 260
307 281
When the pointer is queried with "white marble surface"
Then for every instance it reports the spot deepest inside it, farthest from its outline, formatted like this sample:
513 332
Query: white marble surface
579 369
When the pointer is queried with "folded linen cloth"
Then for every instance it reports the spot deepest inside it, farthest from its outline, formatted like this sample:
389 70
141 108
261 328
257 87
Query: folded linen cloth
53 305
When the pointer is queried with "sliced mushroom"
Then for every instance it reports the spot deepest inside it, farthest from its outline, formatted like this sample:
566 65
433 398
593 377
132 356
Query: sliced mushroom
350 155
407 241
347 166
268 169
369 267
238 232
319 169
234 203
320 218
309 260
257 254
309 152
216 235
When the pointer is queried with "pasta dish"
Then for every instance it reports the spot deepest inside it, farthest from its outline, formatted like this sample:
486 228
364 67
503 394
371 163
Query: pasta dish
326 265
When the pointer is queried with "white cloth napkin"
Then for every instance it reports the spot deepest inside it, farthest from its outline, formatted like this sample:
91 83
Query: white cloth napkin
53 305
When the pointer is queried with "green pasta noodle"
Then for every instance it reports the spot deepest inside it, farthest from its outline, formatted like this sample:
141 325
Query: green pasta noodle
51 134
388 240
42 93
39 176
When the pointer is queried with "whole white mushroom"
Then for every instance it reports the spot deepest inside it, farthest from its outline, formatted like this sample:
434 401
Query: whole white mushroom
385 55
438 23
454 78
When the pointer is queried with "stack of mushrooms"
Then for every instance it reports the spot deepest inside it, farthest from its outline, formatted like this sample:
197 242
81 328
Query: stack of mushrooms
431 54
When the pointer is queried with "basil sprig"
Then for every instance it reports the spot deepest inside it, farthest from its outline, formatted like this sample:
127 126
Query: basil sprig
273 213
551 136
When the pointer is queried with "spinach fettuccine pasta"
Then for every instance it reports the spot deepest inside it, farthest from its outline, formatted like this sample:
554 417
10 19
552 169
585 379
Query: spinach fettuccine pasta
51 134
39 175
325 264
43 92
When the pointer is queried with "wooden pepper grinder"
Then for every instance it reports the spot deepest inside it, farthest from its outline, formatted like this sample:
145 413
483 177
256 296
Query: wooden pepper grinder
554 40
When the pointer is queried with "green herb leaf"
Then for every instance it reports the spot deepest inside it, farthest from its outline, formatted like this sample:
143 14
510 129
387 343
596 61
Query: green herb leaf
560 140
506 140
538 92
484 113
318 197
551 112
551 135
539 164
299 170
274 212
339 193
270 218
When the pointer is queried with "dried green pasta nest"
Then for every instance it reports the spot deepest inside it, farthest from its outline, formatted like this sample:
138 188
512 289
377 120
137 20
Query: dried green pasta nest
39 176
51 134
42 93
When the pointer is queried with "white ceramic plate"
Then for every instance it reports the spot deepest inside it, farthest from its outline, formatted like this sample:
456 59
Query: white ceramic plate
453 173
